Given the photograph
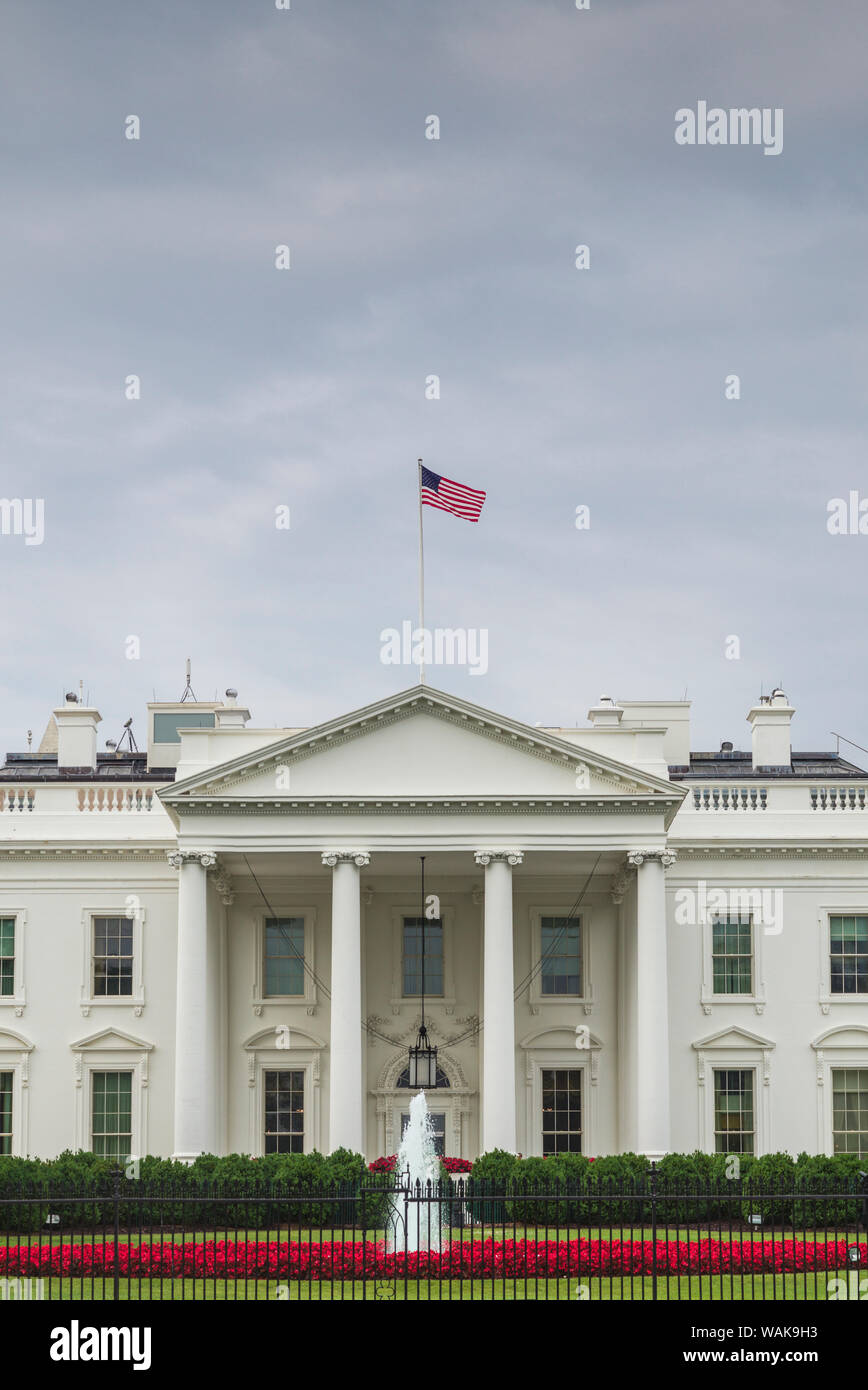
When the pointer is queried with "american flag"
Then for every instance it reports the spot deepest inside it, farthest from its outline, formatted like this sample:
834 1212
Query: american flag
451 497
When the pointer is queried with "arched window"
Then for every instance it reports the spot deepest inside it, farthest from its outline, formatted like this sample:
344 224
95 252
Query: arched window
404 1078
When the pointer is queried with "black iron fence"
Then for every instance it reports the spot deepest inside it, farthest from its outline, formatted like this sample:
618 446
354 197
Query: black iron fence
386 1238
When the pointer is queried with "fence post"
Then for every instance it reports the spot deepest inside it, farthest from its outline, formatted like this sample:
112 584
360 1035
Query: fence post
117 1175
654 1231
364 1244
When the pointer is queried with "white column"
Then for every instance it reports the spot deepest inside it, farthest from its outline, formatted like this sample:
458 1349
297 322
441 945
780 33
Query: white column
498 1003
195 1076
346 1049
651 1041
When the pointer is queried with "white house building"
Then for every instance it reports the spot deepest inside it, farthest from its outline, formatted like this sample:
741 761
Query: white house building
215 945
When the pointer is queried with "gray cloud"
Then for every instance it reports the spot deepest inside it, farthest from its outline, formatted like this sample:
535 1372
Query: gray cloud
413 257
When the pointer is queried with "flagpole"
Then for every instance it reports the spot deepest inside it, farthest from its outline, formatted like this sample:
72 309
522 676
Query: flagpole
421 585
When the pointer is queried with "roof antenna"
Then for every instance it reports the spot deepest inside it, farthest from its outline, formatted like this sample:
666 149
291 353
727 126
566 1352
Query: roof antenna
188 690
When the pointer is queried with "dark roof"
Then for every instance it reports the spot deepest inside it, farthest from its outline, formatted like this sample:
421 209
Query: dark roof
110 767
738 764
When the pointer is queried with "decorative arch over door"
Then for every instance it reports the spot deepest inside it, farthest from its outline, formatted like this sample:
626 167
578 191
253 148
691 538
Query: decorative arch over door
453 1098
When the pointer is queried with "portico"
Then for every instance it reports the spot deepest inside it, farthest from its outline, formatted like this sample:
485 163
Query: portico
529 842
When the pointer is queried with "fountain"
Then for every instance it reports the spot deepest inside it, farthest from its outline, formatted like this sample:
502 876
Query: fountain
417 1158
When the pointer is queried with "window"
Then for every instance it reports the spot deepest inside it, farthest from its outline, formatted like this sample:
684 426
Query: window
560 948
442 1079
5 1112
848 938
438 1129
166 726
7 955
412 956
112 1124
284 956
112 956
562 1111
850 1111
733 1112
284 1112
732 954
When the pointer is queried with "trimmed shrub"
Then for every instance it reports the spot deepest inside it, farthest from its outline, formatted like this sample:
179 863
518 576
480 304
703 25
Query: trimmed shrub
818 1180
338 1190
772 1177
497 1168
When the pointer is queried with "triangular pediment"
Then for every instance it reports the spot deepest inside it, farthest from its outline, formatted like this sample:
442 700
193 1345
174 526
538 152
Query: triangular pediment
732 1038
422 743
111 1039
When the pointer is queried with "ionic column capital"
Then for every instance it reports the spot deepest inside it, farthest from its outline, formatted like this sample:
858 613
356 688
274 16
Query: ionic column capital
666 857
360 857
499 856
179 857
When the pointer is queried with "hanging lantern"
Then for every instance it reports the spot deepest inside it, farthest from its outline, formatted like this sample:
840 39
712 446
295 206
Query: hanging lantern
423 1063
423 1057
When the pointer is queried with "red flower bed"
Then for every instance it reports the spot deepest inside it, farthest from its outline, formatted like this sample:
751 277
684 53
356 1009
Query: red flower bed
383 1165
458 1260
388 1164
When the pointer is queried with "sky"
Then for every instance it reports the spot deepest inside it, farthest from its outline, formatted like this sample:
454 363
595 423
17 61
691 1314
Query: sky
410 258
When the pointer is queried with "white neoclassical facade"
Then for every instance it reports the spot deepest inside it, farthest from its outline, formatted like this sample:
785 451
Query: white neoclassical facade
216 945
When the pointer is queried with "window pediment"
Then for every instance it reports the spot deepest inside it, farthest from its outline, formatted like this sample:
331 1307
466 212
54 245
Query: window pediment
111 1040
267 1037
848 1036
732 1038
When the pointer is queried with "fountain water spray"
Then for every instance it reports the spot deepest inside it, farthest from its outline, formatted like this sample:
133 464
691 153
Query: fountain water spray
417 1222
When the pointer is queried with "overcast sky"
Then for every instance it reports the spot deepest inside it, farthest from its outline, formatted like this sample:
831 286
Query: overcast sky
412 257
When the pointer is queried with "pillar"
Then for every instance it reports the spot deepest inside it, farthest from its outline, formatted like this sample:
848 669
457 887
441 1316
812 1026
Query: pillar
346 1049
195 1071
650 1043
498 1003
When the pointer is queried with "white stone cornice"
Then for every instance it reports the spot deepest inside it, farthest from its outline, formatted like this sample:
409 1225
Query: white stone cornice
378 805
499 856
179 857
815 852
666 857
360 857
69 854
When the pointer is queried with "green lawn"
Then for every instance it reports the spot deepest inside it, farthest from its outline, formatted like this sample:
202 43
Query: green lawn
792 1287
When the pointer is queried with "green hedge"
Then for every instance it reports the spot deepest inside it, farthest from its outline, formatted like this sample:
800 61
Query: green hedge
310 1189
697 1189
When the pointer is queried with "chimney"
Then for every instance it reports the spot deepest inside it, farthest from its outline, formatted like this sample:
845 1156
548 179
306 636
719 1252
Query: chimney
770 723
231 715
76 734
605 714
